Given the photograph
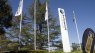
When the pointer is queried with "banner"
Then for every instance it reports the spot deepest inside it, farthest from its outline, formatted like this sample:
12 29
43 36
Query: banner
46 14
19 11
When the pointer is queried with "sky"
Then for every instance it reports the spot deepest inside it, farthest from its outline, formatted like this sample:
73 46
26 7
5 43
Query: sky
84 12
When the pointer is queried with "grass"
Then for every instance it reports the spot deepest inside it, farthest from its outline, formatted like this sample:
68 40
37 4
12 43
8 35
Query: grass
62 52
76 52
51 52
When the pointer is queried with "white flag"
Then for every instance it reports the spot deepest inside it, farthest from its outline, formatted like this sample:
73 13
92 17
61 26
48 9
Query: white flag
19 11
74 19
46 13
64 31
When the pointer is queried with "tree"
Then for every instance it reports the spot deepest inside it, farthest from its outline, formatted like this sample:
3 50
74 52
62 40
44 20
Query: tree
58 45
40 18
75 46
27 34
5 15
26 41
5 22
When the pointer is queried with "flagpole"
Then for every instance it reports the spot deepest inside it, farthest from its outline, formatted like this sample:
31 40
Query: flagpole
19 12
46 19
77 29
35 25
20 30
48 36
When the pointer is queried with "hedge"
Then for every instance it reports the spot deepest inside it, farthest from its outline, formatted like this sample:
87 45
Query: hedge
38 51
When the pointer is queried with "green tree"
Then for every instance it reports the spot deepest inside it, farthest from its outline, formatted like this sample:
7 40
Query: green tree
75 46
40 18
5 22
58 44
27 34
26 41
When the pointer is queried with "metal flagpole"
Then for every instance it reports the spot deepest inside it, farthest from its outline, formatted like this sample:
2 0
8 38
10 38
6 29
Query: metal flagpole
77 29
48 36
35 25
20 29
19 12
46 19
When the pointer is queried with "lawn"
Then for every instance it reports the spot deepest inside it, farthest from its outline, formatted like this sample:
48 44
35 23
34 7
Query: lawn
64 52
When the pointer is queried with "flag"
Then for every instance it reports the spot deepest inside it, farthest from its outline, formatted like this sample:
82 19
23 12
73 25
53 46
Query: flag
19 11
46 13
64 31
74 19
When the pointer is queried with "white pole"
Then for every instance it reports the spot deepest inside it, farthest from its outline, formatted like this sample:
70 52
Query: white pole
46 19
77 29
19 12
20 30
48 36
35 25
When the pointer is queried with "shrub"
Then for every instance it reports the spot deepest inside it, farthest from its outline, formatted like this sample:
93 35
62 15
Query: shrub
39 51
57 52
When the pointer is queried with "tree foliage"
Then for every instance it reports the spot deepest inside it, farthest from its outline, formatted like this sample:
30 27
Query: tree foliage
27 34
5 15
5 22
42 37
75 46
